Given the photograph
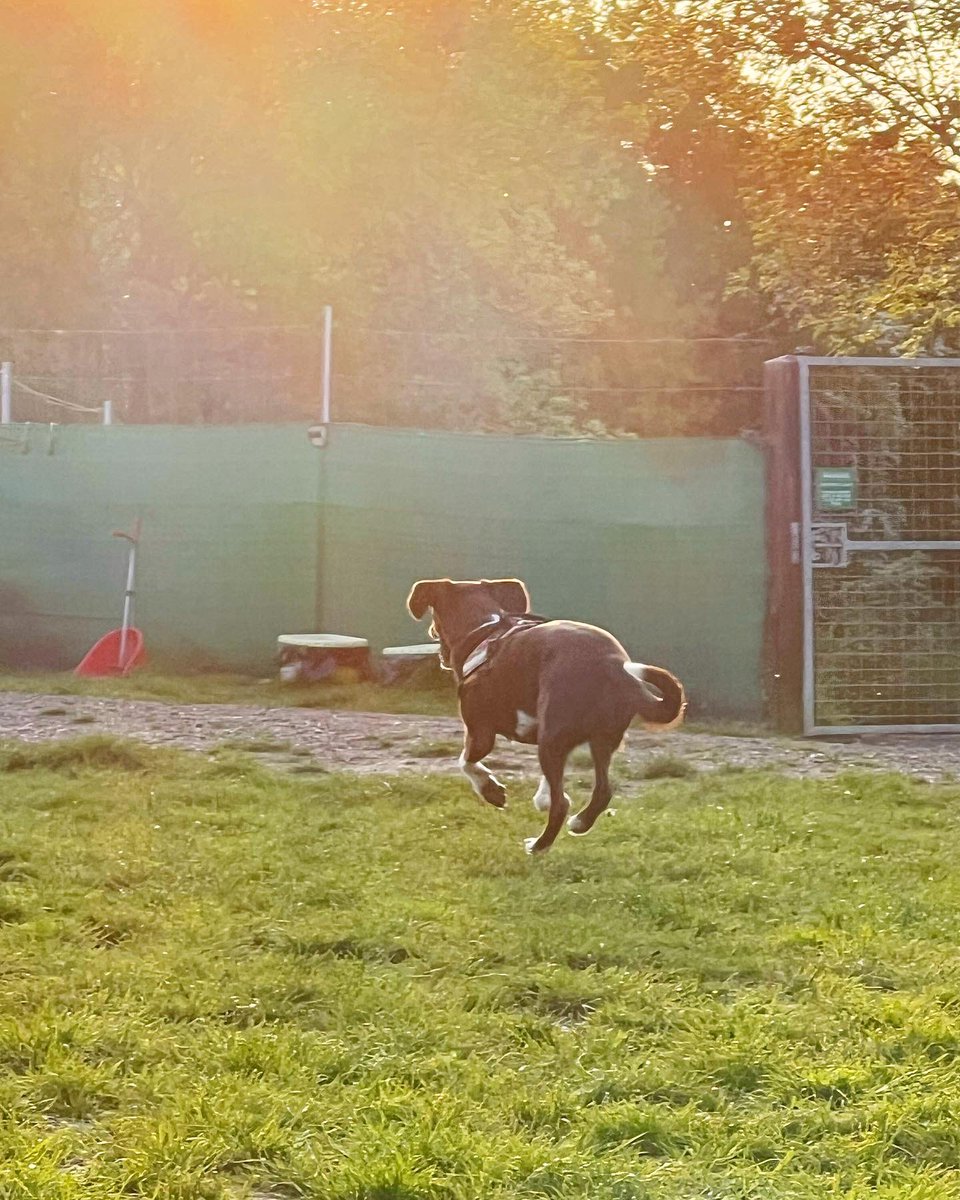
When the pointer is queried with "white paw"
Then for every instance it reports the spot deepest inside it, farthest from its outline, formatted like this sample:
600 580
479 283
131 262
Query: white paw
530 845
541 801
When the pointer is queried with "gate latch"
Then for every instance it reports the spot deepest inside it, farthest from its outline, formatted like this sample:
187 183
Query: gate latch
828 542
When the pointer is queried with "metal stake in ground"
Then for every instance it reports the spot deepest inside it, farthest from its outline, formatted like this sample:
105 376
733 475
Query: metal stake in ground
133 539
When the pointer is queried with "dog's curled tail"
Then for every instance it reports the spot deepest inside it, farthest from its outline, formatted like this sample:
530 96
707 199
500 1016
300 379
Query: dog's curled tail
660 696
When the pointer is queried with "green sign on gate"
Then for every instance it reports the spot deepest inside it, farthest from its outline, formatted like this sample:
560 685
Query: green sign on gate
836 488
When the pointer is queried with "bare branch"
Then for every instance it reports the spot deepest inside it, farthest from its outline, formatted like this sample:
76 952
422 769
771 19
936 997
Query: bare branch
886 86
925 47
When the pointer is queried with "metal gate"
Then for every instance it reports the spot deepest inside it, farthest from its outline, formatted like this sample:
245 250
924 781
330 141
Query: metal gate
880 544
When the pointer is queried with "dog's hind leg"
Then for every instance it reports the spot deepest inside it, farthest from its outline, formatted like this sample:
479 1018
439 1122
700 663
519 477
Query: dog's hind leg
602 750
475 747
553 760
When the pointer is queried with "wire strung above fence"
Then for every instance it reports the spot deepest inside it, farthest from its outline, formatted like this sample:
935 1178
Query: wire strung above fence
57 400
443 378
171 376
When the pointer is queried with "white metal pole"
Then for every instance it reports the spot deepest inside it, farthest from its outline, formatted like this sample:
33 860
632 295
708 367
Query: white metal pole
806 550
128 604
133 538
327 361
108 412
6 388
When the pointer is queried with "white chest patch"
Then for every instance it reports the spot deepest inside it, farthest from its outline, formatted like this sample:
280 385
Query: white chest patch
526 725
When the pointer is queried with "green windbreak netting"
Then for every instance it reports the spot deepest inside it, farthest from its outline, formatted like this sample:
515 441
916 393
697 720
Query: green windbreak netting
251 532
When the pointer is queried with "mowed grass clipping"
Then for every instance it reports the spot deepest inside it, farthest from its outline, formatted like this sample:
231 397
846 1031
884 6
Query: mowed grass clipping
216 982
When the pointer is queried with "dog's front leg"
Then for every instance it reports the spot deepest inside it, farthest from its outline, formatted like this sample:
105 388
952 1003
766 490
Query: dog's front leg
476 746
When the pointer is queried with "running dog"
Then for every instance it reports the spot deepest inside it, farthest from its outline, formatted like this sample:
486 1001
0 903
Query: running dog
552 684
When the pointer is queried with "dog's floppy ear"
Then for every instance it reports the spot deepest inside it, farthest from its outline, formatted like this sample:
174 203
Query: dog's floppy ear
511 594
424 595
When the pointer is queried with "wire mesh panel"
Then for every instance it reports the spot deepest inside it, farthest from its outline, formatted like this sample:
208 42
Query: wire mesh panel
887 640
899 429
882 543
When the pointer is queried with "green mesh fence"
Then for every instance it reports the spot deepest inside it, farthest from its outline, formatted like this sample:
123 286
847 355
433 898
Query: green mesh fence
251 532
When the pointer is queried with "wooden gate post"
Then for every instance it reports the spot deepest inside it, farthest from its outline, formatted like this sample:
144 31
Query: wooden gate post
783 629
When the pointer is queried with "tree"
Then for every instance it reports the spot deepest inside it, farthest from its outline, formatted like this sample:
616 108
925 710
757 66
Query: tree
415 169
855 245
473 184
902 57
845 130
854 200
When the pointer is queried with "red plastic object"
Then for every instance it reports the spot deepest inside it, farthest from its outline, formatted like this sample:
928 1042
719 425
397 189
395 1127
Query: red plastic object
104 657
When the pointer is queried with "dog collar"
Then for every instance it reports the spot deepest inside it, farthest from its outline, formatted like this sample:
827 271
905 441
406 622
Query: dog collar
476 659
474 648
476 652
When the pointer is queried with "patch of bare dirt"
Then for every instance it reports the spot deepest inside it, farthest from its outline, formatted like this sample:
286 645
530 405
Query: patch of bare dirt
304 740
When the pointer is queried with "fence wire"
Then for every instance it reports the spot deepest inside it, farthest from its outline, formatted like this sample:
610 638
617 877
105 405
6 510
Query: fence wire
451 379
202 376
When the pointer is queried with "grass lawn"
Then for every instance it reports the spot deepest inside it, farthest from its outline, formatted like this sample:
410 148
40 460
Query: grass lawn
217 982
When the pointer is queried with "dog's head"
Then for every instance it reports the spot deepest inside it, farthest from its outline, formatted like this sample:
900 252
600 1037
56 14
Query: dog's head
459 607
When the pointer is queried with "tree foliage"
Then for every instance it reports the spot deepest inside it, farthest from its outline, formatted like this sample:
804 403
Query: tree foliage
856 206
515 208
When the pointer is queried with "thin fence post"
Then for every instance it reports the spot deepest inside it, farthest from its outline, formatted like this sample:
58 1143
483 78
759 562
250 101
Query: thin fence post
107 412
327 361
6 389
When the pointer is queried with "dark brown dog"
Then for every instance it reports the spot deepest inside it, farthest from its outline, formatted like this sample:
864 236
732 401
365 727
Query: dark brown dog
552 684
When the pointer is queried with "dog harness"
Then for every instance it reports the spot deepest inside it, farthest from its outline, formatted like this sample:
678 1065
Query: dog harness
479 646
